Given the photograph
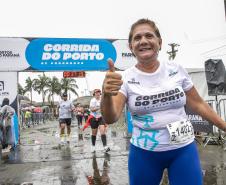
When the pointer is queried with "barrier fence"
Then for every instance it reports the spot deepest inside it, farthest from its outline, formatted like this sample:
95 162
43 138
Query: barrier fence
34 119
205 129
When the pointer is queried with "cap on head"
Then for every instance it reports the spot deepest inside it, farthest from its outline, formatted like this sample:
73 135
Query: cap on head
96 90
64 94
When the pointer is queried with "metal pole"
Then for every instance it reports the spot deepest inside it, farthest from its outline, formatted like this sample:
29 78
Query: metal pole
220 139
87 84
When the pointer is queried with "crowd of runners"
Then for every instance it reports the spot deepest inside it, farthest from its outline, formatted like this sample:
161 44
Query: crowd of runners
86 116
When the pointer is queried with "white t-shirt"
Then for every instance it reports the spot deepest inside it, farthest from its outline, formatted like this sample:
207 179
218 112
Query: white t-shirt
155 100
65 109
94 104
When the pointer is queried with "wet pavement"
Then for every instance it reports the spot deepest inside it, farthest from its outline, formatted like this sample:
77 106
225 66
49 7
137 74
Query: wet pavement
40 160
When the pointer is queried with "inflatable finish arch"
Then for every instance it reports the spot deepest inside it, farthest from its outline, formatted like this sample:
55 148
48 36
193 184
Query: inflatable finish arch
56 54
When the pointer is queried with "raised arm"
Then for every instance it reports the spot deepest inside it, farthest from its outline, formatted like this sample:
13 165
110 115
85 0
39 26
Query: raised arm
198 105
112 101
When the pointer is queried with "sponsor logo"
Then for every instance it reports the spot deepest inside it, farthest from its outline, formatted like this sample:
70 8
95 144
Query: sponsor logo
2 88
12 54
8 53
127 55
2 85
133 81
125 58
172 73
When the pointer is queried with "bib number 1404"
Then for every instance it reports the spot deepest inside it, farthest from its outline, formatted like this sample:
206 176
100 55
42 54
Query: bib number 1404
180 131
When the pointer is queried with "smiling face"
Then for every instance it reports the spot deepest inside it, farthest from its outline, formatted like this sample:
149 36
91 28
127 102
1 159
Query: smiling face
145 44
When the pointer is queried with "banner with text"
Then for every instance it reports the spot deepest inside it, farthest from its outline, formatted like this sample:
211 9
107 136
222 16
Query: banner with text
63 54
8 87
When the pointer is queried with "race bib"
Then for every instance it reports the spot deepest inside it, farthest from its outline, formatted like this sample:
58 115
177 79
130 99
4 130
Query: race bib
180 131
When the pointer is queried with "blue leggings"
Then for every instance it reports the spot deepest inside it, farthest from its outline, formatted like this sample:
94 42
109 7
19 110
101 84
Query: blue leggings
183 164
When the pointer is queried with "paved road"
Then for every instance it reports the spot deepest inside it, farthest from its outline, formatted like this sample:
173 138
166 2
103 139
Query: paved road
40 160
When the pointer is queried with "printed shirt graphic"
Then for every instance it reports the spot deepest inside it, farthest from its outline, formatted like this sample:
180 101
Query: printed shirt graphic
94 103
65 109
155 100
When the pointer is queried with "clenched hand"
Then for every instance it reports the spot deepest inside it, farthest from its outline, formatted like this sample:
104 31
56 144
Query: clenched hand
113 81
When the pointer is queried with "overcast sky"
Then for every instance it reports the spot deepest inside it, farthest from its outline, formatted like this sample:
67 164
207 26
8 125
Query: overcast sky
111 18
197 25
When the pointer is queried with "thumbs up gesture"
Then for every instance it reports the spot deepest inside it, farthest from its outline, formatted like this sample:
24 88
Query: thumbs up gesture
113 81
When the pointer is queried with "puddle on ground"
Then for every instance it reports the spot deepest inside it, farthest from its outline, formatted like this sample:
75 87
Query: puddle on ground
45 130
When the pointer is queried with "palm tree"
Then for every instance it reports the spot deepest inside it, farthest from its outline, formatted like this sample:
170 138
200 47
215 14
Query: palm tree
40 84
29 86
53 87
69 84
21 90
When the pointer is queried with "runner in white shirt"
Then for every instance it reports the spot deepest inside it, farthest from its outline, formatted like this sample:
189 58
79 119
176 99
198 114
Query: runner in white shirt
65 108
148 102
97 121
155 94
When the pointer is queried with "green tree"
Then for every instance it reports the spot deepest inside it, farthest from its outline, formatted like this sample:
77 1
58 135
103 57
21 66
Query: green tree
29 86
69 85
53 87
40 84
21 90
